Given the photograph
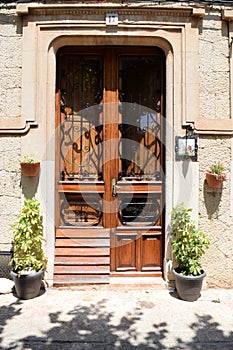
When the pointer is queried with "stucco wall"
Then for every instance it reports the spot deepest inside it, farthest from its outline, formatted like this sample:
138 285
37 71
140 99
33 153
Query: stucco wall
10 63
215 216
214 66
10 145
10 193
215 205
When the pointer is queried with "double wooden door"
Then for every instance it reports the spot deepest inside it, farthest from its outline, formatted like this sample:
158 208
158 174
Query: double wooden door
109 161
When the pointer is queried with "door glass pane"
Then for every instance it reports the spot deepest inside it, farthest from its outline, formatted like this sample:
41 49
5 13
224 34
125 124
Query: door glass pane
80 114
140 146
77 211
140 209
140 128
80 136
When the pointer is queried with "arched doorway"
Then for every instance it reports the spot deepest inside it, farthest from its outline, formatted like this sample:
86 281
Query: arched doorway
109 163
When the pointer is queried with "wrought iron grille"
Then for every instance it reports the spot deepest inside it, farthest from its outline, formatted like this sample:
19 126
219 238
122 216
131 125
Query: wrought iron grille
80 114
140 148
81 149
75 211
141 209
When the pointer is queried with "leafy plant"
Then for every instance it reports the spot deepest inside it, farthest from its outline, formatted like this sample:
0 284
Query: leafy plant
217 169
188 244
28 254
28 159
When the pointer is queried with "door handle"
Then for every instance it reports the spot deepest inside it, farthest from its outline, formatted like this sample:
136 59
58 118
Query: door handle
114 188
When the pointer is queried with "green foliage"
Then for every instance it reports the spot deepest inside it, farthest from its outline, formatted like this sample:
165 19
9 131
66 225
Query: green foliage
27 249
217 169
28 159
188 244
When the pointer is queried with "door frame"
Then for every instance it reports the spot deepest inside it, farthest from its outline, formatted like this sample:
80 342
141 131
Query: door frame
111 98
137 236
38 86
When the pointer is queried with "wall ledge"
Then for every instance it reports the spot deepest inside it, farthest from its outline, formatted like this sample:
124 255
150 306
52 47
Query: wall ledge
214 126
15 125
227 15
69 9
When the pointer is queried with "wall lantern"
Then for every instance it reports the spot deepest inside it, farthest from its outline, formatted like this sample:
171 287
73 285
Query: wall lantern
186 146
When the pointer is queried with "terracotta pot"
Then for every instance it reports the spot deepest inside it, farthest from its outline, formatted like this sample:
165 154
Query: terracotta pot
215 181
30 169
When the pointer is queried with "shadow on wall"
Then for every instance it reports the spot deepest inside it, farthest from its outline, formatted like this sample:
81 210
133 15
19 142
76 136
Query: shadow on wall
212 199
29 185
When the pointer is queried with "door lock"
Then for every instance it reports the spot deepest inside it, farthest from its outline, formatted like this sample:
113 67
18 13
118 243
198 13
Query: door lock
114 188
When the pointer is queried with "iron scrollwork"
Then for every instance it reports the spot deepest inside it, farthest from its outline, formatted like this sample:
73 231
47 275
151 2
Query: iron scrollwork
74 211
80 133
139 210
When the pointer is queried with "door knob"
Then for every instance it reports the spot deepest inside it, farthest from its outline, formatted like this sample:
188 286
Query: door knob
114 188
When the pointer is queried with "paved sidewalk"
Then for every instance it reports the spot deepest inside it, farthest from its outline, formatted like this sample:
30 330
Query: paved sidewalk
124 318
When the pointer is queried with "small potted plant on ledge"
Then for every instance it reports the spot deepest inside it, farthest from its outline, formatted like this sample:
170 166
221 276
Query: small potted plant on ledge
29 166
215 176
188 246
28 259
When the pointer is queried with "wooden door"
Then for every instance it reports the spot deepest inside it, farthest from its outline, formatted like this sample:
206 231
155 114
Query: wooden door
109 164
137 237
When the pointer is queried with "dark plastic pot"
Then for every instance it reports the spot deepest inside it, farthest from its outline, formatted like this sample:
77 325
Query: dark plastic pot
27 286
189 287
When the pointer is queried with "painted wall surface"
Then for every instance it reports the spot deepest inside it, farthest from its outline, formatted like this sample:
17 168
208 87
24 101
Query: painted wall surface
212 208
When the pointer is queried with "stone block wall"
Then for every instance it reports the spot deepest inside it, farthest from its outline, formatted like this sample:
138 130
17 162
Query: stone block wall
215 212
10 144
10 62
214 66
10 192
215 207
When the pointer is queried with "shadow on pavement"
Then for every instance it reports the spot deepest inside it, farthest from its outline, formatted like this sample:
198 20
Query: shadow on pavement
94 327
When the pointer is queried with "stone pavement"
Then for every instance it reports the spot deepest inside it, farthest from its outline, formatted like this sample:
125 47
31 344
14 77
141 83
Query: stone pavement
100 318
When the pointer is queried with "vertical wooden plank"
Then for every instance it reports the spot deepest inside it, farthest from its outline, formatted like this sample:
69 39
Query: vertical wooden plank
57 154
110 132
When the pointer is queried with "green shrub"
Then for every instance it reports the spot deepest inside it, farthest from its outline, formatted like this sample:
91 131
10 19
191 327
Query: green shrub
188 243
28 254
28 159
217 169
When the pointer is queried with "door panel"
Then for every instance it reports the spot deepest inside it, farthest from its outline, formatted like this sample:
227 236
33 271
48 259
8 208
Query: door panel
80 137
126 252
151 252
109 163
140 178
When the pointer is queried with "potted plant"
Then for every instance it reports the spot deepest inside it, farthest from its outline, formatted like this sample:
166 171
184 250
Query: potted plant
29 166
215 176
28 259
188 246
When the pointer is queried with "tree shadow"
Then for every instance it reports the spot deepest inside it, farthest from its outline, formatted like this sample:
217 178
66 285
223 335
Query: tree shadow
208 335
91 327
7 313
94 327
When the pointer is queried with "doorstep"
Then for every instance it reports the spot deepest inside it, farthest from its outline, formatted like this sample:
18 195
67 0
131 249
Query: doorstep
137 282
121 283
